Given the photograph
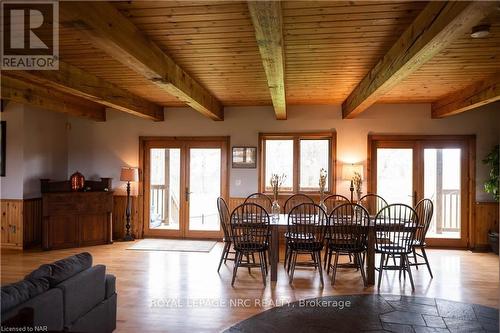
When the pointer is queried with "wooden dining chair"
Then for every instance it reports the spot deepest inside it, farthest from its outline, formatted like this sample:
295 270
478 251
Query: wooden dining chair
373 203
425 211
295 200
331 202
263 200
348 227
260 199
395 228
250 235
306 230
290 203
224 219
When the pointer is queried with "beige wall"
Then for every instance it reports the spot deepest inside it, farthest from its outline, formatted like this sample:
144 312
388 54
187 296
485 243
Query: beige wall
45 149
36 148
100 149
12 184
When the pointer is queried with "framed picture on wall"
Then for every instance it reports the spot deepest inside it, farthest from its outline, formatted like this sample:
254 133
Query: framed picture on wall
244 157
3 146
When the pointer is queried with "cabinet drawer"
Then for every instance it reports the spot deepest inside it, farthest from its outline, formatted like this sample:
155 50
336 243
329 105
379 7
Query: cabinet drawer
77 203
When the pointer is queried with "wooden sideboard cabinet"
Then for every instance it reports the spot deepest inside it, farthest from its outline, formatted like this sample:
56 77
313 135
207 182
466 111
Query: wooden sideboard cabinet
74 219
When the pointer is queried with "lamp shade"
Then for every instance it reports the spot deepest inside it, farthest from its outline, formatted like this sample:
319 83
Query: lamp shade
348 171
129 174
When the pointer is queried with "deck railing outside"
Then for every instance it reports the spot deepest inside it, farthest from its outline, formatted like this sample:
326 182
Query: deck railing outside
164 206
447 211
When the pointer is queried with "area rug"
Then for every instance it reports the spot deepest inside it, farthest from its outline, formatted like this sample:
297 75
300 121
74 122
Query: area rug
373 313
176 245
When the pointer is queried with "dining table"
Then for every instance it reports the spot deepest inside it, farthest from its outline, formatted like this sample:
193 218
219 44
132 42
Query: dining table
278 225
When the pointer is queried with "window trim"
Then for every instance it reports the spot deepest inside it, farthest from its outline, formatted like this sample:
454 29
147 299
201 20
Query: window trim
296 137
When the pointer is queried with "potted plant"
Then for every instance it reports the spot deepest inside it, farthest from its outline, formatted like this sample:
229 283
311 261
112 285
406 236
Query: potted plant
491 186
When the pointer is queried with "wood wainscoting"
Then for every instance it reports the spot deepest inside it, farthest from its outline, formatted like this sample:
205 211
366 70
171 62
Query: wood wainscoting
21 222
32 222
12 223
486 219
119 220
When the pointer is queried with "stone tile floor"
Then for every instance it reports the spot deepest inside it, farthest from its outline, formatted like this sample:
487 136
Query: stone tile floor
373 313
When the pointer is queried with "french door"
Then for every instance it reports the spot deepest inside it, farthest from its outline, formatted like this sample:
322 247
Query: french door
406 169
183 177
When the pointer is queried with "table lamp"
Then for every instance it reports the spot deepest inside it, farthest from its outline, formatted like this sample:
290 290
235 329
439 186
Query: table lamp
128 175
348 172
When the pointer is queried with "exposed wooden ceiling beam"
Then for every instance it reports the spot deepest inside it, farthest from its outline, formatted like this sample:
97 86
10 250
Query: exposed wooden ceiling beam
268 23
439 23
481 93
74 81
23 92
112 32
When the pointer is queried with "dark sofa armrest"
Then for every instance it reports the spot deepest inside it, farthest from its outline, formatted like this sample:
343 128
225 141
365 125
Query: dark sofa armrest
110 285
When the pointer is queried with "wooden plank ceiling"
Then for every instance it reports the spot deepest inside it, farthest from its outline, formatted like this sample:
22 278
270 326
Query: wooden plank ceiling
465 62
78 51
213 41
329 47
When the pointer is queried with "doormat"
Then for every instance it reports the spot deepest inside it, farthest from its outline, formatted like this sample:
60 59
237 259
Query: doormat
175 245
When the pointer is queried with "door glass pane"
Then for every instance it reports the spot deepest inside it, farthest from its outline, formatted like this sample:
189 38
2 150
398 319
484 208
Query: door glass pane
442 185
314 156
279 160
205 184
395 175
164 193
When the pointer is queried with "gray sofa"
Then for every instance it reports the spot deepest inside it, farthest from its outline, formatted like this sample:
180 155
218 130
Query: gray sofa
68 295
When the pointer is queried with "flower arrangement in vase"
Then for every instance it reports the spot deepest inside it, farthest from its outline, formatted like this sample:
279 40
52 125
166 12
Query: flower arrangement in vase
323 176
276 182
358 184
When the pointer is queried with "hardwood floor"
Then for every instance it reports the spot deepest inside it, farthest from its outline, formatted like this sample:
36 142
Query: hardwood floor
168 291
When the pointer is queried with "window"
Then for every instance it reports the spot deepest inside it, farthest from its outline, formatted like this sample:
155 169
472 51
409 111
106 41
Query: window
314 156
299 157
279 160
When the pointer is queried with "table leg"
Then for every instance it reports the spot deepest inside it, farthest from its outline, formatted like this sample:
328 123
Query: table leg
274 253
370 258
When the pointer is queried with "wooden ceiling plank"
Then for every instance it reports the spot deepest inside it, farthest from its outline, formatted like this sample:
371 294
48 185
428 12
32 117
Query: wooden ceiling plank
476 95
435 27
208 9
192 18
165 4
110 31
268 24
47 98
74 81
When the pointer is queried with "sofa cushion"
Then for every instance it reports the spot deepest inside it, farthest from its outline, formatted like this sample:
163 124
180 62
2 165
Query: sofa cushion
20 292
82 292
47 311
42 272
63 269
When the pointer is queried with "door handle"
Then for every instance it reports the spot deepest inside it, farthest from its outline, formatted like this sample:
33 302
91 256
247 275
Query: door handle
187 194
